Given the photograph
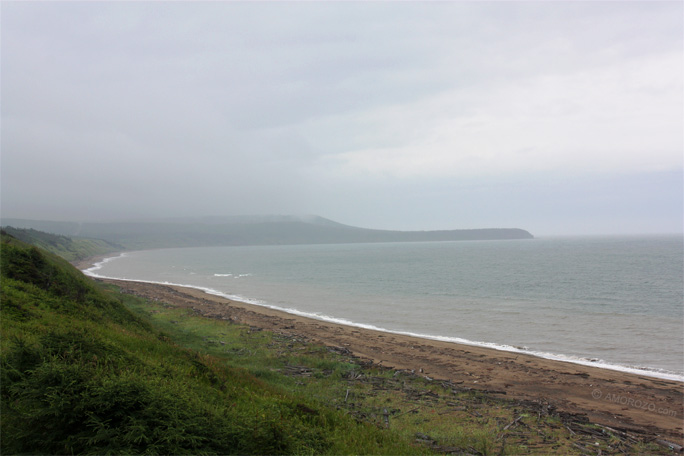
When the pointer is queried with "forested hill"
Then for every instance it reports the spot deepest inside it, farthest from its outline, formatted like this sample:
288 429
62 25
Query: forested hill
252 230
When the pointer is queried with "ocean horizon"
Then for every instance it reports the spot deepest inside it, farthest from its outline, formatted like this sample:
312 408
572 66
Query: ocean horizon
606 301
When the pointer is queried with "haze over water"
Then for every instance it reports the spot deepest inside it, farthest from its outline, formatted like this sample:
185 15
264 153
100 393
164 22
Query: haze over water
599 300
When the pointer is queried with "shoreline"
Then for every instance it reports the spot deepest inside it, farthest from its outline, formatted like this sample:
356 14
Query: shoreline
658 373
621 400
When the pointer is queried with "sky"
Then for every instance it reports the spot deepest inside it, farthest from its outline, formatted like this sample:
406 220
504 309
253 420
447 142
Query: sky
555 117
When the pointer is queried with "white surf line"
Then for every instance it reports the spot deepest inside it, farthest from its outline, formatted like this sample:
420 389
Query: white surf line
646 371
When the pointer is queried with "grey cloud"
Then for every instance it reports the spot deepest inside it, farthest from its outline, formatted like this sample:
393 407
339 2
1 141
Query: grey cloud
174 108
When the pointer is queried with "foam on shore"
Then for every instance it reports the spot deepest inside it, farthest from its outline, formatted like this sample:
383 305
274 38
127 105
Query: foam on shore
592 362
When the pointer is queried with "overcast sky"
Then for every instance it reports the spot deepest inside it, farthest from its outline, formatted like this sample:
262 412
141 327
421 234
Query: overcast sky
556 117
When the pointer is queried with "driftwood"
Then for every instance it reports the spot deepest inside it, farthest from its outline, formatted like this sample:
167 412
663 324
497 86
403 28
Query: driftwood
670 445
301 371
515 421
409 411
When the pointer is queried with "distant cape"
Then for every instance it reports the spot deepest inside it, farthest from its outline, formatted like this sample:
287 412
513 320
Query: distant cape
250 230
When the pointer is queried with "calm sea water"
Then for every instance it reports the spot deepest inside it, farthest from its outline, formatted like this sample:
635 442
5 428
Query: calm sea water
612 302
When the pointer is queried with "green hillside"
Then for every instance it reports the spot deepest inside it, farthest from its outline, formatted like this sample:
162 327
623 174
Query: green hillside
82 374
65 247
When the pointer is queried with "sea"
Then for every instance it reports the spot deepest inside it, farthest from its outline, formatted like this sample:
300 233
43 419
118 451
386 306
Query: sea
611 302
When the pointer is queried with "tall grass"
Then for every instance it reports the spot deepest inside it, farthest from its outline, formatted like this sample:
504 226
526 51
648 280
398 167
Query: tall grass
81 374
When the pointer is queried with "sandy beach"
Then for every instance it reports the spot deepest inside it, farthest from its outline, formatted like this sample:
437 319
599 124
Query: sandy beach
624 401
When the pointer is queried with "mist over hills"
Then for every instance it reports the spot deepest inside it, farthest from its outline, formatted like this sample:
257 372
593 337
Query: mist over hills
249 230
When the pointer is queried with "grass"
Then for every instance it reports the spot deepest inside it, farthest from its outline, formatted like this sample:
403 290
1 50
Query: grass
431 415
63 246
87 369
437 416
83 374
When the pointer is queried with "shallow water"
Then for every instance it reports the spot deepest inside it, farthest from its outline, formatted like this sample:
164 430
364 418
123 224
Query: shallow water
615 302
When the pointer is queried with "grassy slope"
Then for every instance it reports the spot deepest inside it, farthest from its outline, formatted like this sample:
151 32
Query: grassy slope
88 370
65 247
82 374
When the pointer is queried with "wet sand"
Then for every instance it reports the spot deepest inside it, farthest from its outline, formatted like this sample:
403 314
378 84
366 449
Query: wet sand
624 401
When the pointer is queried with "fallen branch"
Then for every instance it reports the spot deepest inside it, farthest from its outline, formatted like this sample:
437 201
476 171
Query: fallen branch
512 422
620 433
410 411
670 445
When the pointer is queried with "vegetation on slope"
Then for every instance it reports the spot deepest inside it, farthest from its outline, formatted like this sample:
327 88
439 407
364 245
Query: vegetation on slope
86 369
82 374
68 248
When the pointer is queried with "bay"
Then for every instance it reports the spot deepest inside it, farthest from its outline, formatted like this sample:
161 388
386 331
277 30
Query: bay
615 302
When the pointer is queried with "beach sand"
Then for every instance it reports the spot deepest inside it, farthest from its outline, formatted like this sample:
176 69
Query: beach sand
624 401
